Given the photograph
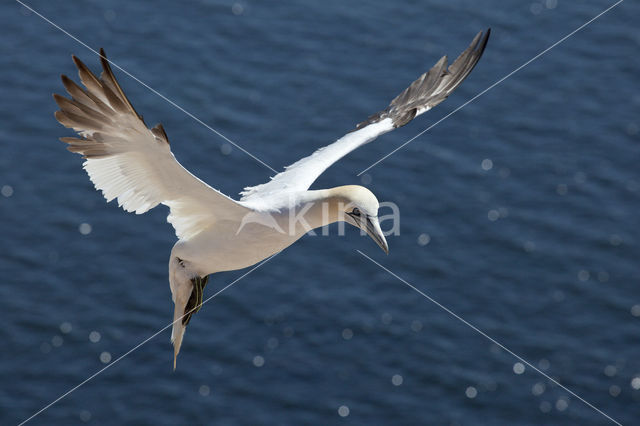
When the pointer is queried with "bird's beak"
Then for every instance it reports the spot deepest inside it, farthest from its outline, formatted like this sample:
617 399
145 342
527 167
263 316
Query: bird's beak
374 231
371 226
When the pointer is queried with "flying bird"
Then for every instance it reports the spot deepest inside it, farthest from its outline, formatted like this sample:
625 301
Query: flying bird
134 164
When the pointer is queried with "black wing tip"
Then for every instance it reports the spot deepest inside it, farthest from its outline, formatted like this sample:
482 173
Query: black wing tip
105 62
103 59
483 43
108 72
107 84
421 94
479 42
78 62
58 98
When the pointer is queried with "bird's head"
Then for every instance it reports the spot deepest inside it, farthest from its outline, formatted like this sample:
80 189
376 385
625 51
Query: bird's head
361 210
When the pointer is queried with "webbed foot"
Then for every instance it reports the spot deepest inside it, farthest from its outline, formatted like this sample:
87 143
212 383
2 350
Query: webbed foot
195 300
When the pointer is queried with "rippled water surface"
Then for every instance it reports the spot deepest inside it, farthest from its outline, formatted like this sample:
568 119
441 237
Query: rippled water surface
519 213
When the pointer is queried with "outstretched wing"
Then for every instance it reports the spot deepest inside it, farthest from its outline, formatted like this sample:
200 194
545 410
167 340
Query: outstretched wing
427 91
130 162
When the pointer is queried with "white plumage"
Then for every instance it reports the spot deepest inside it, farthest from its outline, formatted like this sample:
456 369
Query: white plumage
134 164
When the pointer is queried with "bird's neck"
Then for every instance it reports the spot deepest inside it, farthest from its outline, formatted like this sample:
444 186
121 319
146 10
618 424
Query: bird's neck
321 207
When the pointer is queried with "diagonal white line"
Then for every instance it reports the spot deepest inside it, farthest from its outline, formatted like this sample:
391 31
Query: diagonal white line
467 323
67 393
150 88
492 86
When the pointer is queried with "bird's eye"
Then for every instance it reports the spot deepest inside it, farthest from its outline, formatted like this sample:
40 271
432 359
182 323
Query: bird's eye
355 211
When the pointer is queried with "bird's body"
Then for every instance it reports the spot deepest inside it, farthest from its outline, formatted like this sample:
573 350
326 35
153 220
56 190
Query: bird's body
129 162
235 244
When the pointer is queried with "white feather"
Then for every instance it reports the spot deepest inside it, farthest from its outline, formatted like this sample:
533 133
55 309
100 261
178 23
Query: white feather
300 175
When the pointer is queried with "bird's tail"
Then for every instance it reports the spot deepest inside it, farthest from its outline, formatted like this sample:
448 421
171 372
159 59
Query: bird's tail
187 292
181 288
177 332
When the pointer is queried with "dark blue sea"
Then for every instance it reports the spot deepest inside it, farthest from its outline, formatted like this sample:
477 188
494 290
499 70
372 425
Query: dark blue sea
519 214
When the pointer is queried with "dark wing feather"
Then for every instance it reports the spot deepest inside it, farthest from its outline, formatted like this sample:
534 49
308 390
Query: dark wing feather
432 87
94 109
88 100
128 161
427 91
109 80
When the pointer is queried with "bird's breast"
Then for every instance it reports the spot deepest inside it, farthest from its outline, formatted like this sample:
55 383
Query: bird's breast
228 246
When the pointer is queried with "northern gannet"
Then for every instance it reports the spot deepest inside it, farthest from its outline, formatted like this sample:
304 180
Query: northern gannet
129 162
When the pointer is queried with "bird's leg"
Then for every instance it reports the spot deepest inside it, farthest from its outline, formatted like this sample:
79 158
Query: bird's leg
195 300
203 284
